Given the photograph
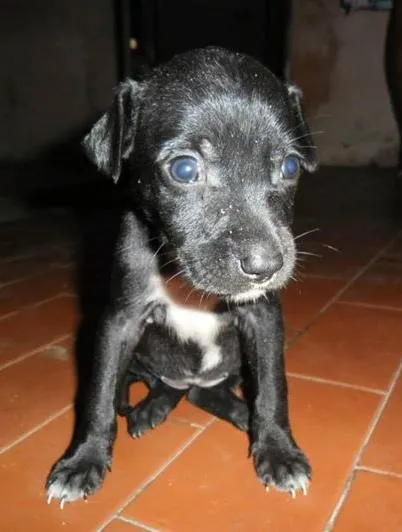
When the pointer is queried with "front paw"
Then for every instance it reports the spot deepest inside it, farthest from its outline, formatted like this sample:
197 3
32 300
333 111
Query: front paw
75 477
286 469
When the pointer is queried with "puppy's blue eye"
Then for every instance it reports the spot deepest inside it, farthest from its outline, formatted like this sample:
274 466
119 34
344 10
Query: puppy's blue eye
184 169
290 167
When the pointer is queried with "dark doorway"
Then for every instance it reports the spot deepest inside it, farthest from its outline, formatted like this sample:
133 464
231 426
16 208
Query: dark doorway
159 29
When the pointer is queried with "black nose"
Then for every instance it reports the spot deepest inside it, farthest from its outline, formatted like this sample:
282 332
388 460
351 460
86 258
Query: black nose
261 263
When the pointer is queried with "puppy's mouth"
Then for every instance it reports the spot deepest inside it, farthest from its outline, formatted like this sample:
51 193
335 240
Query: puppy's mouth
256 292
233 288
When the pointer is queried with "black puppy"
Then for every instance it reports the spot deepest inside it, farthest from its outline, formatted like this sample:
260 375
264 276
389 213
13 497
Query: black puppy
215 144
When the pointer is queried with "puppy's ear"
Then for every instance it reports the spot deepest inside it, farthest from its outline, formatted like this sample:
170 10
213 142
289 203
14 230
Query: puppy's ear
111 139
304 141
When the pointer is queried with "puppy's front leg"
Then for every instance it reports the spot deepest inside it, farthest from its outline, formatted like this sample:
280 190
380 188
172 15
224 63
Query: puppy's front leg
80 472
277 458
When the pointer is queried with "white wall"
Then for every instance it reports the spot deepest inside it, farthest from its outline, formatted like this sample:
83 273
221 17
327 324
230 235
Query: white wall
338 62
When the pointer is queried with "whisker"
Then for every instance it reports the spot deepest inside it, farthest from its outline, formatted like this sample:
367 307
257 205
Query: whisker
317 117
307 147
167 263
203 294
189 294
312 133
159 248
209 294
153 238
332 248
294 277
309 253
307 233
180 272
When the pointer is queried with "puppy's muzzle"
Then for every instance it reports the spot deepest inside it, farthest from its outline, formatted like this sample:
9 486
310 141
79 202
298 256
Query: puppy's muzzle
260 264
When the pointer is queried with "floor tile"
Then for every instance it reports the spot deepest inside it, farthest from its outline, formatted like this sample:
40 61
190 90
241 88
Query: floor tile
373 505
327 255
342 264
29 237
350 344
216 484
303 299
381 285
18 295
34 389
15 269
384 450
36 326
341 247
212 485
24 469
395 251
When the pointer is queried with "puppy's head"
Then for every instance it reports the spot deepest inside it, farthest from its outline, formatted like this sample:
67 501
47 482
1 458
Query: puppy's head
217 144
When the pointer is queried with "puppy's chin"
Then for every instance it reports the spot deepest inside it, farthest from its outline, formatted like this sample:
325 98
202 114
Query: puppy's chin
254 294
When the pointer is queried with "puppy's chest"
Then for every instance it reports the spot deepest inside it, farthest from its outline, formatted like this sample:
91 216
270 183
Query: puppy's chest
192 346
199 328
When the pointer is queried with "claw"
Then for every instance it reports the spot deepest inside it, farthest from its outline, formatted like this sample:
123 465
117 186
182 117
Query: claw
62 501
293 493
304 489
267 489
49 499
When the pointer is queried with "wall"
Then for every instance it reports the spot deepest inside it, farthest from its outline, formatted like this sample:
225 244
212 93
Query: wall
58 70
338 62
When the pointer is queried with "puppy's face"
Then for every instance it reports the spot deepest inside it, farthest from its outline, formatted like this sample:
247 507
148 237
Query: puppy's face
217 146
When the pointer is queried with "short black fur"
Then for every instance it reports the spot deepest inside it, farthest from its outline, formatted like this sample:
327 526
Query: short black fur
227 232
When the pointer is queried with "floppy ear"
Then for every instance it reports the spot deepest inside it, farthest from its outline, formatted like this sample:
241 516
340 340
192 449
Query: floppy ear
111 139
304 141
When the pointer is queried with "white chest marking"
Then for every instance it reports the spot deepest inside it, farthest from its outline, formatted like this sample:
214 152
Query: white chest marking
200 326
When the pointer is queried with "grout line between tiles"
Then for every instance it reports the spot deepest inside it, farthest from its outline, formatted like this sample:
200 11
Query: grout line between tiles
21 279
336 383
157 473
345 287
34 351
37 428
379 472
369 305
183 421
339 505
33 305
32 254
136 523
45 269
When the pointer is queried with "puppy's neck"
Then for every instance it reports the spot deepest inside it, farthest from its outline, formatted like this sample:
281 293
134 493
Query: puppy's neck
184 294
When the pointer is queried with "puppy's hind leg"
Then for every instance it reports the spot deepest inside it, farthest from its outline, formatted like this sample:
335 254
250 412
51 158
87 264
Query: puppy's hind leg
221 401
154 409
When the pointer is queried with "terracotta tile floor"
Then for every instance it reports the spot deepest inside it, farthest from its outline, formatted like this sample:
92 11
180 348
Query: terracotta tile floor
344 359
